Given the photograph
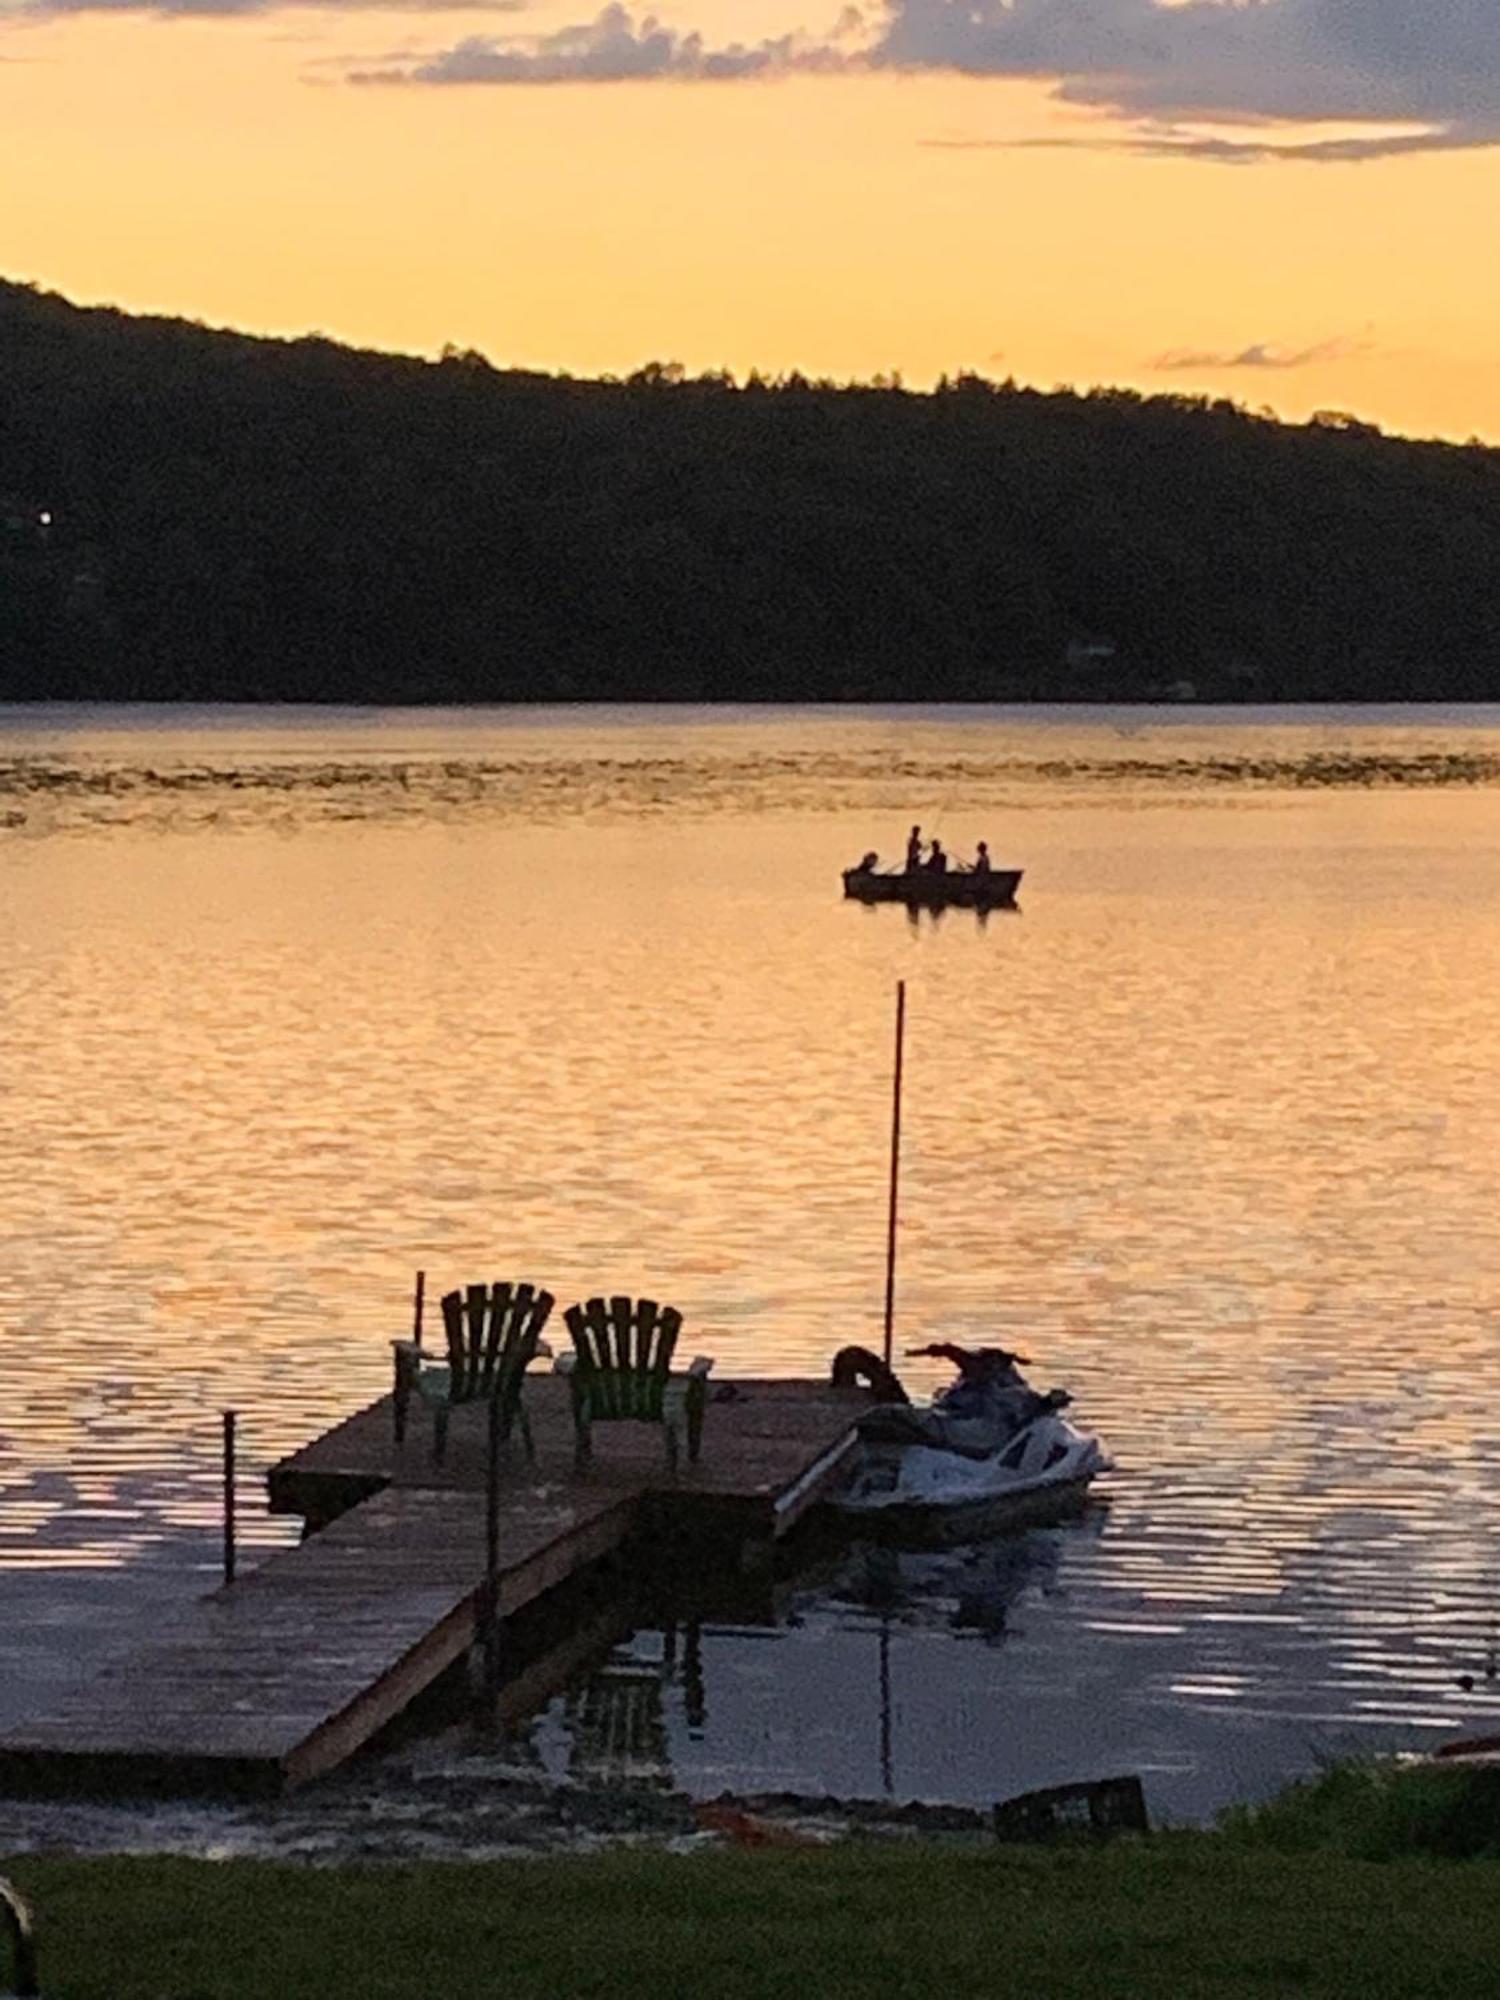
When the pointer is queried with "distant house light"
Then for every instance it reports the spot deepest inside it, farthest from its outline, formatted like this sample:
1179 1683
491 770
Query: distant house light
45 517
1094 652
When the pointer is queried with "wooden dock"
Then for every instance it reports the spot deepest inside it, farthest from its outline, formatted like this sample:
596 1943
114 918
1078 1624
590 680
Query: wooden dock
283 1674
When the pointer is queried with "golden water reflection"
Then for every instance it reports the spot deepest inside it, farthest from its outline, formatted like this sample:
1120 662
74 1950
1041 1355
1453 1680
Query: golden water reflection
1210 1128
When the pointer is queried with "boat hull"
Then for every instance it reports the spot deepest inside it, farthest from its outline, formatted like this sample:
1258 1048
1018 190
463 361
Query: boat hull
995 891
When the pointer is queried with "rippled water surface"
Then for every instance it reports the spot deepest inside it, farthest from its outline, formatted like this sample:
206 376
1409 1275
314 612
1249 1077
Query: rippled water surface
292 1003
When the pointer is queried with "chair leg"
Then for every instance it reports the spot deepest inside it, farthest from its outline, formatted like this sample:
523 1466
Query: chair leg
669 1432
525 1423
439 1434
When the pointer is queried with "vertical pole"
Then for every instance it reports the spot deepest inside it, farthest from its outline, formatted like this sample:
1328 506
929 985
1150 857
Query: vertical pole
229 1496
408 1363
890 1235
491 1600
887 1753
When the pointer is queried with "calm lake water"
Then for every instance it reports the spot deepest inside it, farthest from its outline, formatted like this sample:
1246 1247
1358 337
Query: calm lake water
292 1003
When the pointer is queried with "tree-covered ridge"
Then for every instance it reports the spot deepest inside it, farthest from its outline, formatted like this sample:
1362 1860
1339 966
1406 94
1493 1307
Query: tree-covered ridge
195 514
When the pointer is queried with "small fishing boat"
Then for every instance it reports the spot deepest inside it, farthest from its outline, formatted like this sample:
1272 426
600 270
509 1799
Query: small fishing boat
955 889
988 1454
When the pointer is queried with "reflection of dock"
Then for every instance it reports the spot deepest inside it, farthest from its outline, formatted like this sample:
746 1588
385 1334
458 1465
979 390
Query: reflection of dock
282 1675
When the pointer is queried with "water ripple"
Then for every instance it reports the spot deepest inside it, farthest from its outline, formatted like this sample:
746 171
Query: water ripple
1210 1130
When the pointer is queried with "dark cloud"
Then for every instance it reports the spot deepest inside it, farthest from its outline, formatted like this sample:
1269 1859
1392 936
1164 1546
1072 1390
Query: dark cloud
613 48
1162 68
1409 76
1437 61
1262 354
1431 64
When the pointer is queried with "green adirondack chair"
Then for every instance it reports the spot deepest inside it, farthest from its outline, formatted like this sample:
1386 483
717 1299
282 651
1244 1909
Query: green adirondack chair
493 1333
621 1367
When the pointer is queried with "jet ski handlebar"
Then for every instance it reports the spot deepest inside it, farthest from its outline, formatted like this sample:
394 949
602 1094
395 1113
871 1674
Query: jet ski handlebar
968 1358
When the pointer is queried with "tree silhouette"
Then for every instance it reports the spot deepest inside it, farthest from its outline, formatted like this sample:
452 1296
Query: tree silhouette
234 518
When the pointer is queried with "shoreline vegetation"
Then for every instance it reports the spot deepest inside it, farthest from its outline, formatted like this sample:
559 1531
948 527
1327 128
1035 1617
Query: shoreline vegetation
1370 1877
193 515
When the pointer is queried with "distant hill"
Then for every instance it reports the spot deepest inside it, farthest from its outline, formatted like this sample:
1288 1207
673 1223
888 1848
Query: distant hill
187 514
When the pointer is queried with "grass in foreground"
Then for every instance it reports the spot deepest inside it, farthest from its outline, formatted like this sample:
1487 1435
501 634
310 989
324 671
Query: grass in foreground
1376 1810
1181 1916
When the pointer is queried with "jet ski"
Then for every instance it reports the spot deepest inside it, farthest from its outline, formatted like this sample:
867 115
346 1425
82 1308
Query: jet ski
988 1453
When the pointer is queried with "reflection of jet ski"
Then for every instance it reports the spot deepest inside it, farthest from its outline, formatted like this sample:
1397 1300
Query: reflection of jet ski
953 1589
988 1453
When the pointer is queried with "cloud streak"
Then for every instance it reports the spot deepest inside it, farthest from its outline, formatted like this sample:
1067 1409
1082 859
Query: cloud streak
17 13
1182 143
1260 354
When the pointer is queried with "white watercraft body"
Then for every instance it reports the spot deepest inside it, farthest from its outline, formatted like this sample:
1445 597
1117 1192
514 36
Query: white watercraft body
981 1459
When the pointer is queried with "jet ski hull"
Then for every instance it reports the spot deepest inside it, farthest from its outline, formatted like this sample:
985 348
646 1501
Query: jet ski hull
925 1495
922 1525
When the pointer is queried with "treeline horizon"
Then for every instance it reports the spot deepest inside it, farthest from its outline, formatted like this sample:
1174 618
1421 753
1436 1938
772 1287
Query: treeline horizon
192 514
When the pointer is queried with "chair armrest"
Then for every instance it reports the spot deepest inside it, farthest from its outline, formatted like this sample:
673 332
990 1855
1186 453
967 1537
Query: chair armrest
420 1369
701 1365
418 1360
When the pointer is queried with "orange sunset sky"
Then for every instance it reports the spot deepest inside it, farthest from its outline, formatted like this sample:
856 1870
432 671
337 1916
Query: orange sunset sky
1290 202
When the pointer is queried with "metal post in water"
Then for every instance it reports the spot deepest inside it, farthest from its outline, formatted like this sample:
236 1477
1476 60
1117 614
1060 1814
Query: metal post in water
890 1238
229 1420
887 1753
416 1309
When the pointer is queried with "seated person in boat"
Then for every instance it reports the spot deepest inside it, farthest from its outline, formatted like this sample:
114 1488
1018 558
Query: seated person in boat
867 863
937 861
982 859
914 850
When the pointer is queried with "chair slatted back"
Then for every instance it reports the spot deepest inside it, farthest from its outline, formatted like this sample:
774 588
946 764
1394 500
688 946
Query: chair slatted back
492 1331
624 1349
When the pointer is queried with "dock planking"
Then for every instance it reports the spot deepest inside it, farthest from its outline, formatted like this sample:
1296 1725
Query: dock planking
770 1450
282 1675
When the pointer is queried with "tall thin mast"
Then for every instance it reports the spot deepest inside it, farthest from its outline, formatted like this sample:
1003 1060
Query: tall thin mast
890 1237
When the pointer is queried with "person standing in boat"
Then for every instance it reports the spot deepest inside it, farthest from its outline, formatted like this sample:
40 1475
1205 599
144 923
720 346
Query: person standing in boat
914 851
937 861
982 859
